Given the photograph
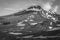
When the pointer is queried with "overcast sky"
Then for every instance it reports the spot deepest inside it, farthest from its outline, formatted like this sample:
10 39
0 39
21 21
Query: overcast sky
11 6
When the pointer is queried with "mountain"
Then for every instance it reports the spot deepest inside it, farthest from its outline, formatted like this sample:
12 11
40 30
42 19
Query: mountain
36 7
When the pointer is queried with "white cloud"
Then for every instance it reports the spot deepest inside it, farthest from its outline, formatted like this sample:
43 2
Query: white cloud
47 6
56 8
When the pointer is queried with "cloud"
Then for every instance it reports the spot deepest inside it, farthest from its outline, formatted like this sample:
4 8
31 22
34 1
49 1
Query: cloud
56 8
47 6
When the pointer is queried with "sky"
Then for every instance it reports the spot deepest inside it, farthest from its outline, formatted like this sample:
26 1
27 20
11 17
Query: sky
11 6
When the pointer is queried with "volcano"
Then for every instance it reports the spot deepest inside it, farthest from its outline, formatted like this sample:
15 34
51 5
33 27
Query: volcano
35 20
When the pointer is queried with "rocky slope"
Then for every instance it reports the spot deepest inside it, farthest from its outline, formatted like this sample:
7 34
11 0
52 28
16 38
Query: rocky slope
30 21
